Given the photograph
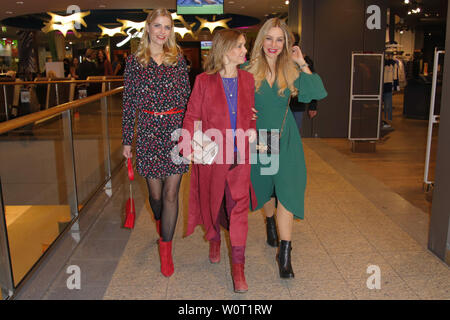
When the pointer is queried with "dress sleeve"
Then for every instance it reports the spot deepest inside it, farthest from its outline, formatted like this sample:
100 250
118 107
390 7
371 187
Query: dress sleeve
192 115
183 83
129 102
310 87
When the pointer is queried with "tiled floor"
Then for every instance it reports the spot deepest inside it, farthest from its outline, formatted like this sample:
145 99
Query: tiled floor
399 160
352 221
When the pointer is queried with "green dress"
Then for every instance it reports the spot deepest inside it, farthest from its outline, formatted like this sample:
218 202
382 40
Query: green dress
288 175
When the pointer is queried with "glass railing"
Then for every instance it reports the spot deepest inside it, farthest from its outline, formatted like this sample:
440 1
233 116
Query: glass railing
52 163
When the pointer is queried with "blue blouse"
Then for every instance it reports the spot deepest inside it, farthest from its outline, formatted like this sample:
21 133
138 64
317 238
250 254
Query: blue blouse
230 86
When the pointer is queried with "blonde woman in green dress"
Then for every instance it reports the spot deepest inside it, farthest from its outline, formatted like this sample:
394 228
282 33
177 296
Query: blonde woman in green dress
280 71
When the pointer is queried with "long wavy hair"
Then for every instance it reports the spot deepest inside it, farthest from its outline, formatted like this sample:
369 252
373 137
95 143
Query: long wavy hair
223 41
285 69
171 49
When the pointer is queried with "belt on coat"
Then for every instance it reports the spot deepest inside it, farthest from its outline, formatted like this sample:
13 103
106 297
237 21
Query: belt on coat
171 111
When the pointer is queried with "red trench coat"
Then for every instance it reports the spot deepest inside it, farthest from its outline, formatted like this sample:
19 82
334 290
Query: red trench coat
208 104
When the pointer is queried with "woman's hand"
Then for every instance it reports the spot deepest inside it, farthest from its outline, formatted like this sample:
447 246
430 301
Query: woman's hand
254 117
297 55
312 113
127 152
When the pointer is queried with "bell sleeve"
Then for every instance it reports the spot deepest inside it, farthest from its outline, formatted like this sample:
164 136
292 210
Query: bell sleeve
310 87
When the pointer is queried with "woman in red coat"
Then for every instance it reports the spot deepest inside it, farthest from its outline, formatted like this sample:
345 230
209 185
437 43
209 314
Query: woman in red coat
221 103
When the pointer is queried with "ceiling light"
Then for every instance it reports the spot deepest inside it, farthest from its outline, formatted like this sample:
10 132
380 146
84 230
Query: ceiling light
406 1
409 12
19 2
286 2
401 32
102 6
230 2
9 12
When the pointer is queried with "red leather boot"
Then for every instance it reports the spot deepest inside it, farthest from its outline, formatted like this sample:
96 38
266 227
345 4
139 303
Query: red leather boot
240 284
165 254
214 251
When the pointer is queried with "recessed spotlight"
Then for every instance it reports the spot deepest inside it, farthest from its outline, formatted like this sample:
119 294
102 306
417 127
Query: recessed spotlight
70 42
9 12
406 1
102 6
19 2
286 2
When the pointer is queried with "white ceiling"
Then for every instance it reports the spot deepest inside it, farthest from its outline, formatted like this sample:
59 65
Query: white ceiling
253 8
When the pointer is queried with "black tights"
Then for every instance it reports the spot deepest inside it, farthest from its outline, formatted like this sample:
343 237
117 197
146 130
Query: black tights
163 197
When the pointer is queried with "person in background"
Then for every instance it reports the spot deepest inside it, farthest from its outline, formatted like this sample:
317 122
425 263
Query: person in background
88 67
117 66
390 77
156 88
66 67
73 68
103 64
298 108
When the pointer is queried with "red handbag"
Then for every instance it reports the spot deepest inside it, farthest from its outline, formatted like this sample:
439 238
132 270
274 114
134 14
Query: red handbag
130 211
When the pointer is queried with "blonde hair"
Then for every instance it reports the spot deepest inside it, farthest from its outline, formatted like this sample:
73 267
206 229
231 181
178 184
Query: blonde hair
171 49
223 41
285 69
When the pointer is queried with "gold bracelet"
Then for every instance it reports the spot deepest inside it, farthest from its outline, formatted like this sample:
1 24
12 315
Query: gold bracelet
304 65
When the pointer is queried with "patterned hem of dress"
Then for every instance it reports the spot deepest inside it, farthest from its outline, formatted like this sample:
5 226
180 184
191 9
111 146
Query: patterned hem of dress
165 174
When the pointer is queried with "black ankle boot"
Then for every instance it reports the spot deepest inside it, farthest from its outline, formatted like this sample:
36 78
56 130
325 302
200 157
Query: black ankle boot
284 260
272 236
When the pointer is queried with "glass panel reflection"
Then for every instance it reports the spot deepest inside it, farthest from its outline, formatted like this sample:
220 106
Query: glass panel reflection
89 150
37 189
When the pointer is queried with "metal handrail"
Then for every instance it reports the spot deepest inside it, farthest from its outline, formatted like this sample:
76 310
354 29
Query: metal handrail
31 118
16 83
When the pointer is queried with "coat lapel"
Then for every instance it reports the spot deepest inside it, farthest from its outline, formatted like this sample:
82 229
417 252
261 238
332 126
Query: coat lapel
222 104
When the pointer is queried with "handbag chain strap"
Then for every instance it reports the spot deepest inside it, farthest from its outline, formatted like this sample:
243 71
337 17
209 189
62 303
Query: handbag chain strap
284 119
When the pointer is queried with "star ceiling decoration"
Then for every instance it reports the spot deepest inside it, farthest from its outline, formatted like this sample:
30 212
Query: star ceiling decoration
65 23
138 26
111 32
212 25
182 31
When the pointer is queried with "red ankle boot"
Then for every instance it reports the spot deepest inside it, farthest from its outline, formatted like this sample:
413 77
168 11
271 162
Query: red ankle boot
214 251
240 285
165 254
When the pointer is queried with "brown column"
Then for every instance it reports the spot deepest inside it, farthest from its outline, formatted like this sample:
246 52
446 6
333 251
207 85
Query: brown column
439 235
330 31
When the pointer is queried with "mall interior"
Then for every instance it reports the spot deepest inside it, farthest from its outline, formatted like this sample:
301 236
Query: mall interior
377 189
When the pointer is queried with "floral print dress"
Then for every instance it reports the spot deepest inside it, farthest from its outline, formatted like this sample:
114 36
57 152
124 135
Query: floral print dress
154 88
